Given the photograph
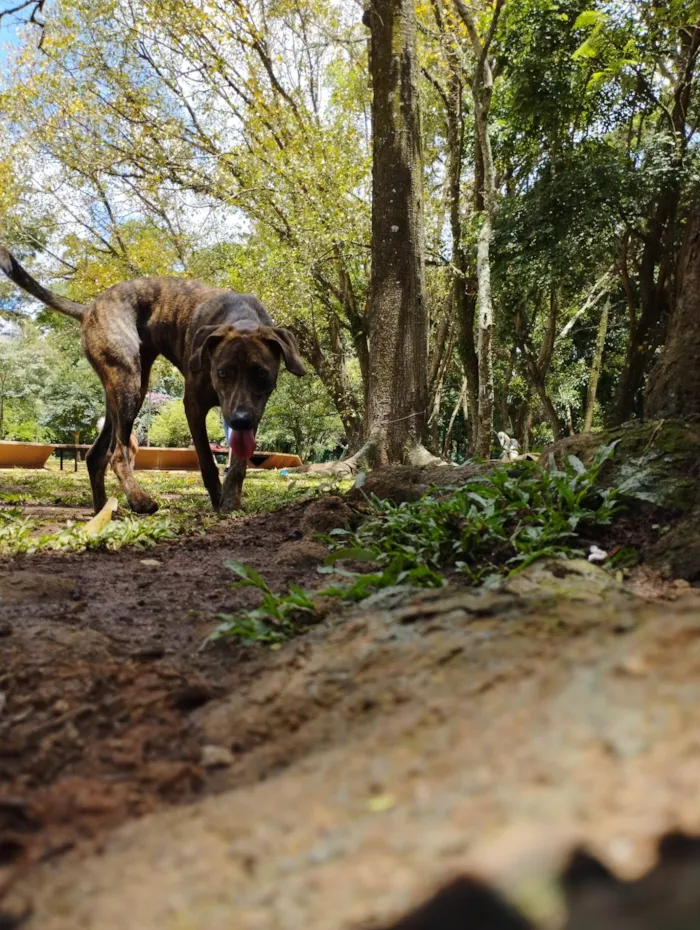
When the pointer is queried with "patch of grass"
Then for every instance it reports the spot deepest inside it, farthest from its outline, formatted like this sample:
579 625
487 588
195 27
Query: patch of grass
184 507
281 616
492 526
20 535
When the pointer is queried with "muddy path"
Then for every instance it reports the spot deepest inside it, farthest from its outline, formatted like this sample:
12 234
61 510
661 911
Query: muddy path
334 781
101 667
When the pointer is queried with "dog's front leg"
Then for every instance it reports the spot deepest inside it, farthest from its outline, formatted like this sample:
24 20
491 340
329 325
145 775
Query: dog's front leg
233 486
197 421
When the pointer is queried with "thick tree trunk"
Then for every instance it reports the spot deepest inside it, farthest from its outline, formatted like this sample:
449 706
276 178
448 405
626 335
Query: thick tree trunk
596 367
538 366
540 387
674 386
658 258
465 297
398 392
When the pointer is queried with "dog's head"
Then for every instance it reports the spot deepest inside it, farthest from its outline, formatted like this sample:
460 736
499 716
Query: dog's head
244 362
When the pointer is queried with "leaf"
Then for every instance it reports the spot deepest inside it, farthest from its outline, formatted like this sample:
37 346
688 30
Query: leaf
334 570
586 50
248 574
98 523
355 553
589 18
576 464
381 803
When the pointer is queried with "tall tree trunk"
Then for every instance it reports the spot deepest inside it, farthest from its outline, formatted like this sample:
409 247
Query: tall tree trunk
596 367
537 366
461 402
398 393
465 298
523 426
658 258
540 387
482 93
674 386
464 285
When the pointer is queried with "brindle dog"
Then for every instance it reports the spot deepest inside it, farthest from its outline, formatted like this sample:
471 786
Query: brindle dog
224 343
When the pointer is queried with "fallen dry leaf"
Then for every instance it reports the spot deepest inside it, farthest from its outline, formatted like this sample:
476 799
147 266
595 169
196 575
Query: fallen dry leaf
101 519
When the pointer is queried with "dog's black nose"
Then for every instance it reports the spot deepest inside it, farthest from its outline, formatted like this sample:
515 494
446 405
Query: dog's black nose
239 419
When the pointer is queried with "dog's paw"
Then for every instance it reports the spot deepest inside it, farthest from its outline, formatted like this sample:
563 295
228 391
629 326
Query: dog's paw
230 504
142 503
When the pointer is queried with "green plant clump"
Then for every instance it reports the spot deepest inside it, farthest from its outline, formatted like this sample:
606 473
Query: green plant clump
21 535
491 526
497 523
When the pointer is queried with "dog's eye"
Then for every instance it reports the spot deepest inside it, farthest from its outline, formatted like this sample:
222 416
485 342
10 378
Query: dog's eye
261 378
222 373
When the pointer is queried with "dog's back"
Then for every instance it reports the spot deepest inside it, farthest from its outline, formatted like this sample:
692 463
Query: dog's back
162 313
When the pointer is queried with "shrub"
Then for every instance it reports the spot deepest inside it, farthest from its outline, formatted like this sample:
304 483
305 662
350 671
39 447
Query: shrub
169 427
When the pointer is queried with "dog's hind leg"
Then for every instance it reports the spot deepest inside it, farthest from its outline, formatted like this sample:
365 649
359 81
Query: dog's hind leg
125 392
97 460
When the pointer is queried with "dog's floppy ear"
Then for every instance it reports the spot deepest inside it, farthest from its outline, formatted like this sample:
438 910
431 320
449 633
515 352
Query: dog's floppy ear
284 338
205 339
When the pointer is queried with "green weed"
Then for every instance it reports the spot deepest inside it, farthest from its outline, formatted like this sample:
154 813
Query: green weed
497 523
273 620
494 525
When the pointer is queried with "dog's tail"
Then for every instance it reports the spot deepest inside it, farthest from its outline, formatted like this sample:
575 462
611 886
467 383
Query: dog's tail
22 278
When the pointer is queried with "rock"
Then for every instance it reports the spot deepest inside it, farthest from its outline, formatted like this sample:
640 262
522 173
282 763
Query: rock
302 552
24 586
577 579
409 483
327 514
215 757
655 467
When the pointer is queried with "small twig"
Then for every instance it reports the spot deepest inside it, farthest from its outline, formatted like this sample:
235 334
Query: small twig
657 430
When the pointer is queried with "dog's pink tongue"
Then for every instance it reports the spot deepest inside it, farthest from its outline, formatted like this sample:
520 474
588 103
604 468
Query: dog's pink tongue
242 441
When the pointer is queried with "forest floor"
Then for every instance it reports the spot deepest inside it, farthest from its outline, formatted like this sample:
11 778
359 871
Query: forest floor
332 781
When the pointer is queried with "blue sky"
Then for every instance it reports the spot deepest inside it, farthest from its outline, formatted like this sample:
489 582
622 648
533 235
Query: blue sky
8 36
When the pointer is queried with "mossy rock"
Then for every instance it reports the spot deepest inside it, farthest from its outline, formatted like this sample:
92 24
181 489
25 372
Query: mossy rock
656 466
657 462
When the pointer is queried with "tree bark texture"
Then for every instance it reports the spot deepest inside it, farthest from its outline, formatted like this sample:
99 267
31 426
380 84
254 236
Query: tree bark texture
398 392
482 93
674 385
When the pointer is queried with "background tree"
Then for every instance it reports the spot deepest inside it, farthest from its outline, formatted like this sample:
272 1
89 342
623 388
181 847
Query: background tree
674 389
398 390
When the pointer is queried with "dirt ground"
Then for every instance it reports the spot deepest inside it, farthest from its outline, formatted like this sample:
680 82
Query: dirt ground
101 666
348 770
